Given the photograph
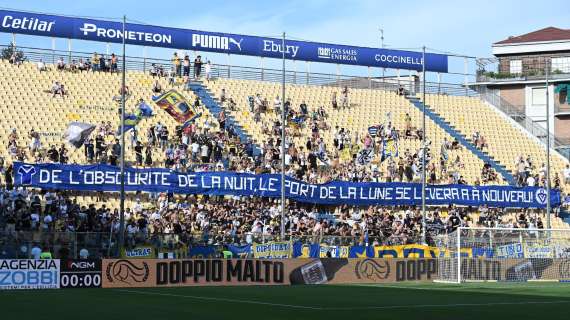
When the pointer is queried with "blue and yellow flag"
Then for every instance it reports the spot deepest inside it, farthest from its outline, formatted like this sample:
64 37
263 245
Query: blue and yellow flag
389 149
132 119
177 107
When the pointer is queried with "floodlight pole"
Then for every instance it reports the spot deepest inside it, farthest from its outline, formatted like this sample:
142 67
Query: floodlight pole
283 119
424 145
548 209
123 94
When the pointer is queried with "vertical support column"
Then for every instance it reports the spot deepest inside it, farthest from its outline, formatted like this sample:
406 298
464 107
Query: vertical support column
465 68
68 51
14 39
262 70
398 76
229 66
548 209
144 58
338 74
424 146
411 83
122 194
458 254
438 83
283 126
295 71
52 51
369 79
308 65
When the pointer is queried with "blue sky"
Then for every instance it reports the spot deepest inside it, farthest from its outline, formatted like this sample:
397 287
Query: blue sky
454 26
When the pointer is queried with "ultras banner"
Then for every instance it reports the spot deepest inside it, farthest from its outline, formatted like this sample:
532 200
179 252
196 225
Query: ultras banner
107 178
147 35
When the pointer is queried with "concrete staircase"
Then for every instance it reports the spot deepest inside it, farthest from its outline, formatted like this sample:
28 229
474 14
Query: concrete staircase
214 107
466 142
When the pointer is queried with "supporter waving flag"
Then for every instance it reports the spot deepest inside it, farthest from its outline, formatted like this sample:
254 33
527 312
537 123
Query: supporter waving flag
132 119
177 107
77 133
144 110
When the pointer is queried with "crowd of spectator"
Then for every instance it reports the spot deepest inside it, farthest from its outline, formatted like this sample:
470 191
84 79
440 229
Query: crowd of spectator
215 145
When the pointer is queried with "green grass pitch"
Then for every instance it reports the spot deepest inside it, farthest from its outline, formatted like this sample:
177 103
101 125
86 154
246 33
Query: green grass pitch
488 301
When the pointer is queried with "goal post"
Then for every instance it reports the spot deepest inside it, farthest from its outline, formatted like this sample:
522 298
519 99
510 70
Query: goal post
503 254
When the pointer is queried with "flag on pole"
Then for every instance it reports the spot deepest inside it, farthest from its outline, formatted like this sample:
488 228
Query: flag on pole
323 157
373 130
77 132
389 149
144 110
131 121
177 107
365 156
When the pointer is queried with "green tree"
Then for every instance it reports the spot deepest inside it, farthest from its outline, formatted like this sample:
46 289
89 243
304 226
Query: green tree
11 49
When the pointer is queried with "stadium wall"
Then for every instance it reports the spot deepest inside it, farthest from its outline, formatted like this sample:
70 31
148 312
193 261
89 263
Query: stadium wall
125 273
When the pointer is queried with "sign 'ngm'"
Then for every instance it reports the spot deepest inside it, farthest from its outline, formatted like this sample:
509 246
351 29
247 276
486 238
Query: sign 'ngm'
148 35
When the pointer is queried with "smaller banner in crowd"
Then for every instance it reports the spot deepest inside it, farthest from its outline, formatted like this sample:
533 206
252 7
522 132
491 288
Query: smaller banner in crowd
313 250
272 250
240 251
142 252
202 252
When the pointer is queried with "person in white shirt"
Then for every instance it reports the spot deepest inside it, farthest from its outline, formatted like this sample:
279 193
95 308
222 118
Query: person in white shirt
530 181
137 208
47 222
35 217
277 105
195 149
208 69
204 153
41 66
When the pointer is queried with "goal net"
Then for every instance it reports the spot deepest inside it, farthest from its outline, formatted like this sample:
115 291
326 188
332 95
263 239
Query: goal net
497 254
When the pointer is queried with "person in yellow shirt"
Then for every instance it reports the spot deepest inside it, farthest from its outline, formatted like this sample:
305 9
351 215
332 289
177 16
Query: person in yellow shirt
177 65
95 62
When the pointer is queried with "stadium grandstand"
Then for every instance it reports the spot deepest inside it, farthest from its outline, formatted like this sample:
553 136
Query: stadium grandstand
164 165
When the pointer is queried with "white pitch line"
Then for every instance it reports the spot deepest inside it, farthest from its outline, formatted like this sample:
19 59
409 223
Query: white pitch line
221 299
452 305
449 305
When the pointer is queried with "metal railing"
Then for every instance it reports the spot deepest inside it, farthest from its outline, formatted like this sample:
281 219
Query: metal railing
144 64
19 244
514 112
525 67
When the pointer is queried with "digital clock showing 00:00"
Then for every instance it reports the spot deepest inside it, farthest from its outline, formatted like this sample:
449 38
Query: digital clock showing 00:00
80 280
80 274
